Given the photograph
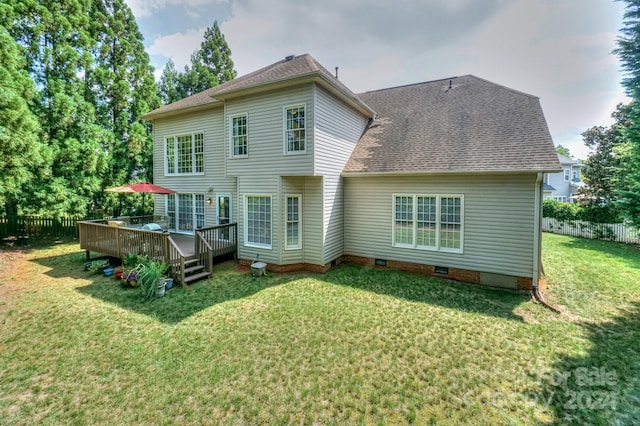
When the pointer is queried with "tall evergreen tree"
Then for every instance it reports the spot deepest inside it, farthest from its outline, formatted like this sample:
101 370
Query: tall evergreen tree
211 65
169 84
122 89
22 156
57 45
628 50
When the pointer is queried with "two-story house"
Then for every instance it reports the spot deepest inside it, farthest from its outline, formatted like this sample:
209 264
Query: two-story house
443 177
564 185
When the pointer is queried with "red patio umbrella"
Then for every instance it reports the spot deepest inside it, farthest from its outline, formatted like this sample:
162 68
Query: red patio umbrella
141 188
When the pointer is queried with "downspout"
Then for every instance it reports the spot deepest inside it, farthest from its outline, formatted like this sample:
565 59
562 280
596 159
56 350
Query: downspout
537 245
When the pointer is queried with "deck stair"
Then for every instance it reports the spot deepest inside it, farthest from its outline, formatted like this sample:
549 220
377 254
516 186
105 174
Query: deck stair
194 270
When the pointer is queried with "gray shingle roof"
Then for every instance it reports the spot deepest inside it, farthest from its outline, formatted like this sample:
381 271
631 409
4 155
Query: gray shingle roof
566 160
474 126
298 67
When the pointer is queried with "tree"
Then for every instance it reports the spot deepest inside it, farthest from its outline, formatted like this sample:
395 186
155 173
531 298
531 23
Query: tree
563 150
56 43
122 88
211 65
22 156
169 84
628 50
603 166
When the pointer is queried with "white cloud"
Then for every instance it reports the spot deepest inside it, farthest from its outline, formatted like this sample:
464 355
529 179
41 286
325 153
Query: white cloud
142 8
178 46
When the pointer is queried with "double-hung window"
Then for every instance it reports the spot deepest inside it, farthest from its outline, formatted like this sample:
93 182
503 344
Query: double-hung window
567 173
239 142
428 222
258 221
293 222
294 130
184 154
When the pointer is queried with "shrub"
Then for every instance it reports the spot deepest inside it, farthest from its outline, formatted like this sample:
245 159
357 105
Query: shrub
570 211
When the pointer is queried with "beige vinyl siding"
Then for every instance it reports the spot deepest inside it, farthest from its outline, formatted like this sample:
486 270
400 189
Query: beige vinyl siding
311 190
211 124
265 128
337 130
498 220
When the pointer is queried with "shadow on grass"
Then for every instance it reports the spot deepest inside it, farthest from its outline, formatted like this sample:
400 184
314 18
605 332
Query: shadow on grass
179 303
603 387
429 290
627 253
228 284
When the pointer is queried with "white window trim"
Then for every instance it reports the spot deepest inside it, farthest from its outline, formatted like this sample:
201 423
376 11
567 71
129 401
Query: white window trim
224 194
193 158
231 147
284 129
246 223
194 213
297 246
567 175
438 224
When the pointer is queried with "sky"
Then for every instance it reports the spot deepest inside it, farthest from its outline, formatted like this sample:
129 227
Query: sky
558 50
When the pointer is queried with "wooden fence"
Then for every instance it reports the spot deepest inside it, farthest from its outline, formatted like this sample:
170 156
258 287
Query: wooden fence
38 226
600 231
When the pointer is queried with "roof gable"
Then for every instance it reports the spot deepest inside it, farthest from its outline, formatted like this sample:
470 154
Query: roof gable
283 73
457 125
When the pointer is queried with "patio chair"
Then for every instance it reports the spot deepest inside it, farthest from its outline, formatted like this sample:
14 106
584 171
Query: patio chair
163 221
125 219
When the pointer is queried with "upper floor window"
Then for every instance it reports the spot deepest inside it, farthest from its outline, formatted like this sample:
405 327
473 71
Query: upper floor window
184 154
567 173
431 222
576 175
294 133
239 146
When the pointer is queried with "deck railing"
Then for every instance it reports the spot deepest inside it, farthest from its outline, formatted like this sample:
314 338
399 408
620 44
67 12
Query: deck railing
223 239
204 252
117 241
175 257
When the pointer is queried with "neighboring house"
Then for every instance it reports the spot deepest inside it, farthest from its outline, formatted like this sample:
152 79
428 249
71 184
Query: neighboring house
443 178
564 185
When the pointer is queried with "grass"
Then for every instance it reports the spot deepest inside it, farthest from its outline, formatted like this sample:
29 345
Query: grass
355 345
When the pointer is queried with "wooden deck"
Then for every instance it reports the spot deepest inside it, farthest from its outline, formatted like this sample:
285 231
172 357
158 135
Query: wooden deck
183 252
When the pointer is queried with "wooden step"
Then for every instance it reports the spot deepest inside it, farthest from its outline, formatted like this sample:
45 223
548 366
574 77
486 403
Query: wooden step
193 269
190 261
195 277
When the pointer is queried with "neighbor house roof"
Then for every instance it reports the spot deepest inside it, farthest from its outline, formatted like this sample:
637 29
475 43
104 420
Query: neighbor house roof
566 160
457 125
284 73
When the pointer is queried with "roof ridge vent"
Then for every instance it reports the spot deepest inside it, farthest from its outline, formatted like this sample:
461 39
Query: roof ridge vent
289 57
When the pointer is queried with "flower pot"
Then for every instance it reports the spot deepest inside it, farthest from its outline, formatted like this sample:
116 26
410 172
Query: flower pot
168 283
160 289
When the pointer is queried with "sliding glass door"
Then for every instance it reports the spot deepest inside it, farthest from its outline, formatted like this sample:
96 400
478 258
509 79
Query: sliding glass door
186 212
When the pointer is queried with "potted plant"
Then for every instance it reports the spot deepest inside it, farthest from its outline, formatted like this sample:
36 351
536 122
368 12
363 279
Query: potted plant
151 283
98 265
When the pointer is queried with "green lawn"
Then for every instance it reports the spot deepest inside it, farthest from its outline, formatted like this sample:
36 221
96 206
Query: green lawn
355 346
